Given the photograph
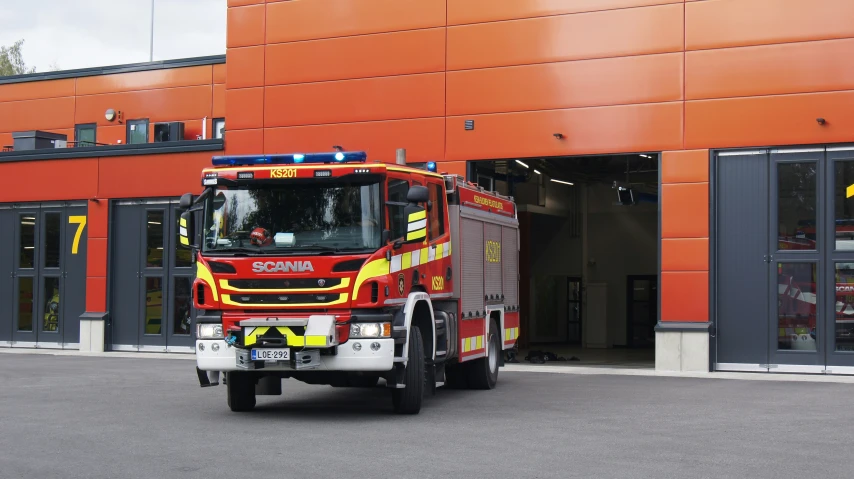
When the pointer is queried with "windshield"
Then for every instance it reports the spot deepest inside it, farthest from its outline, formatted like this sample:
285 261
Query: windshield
294 218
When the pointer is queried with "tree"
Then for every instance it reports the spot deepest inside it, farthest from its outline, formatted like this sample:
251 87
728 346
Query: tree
12 60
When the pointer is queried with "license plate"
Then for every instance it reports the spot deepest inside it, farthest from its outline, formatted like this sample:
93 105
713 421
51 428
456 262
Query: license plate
271 354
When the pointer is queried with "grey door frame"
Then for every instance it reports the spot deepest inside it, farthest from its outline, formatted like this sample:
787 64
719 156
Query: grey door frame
49 339
25 338
828 361
166 340
7 270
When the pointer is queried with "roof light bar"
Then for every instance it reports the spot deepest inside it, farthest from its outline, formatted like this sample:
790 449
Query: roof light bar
291 159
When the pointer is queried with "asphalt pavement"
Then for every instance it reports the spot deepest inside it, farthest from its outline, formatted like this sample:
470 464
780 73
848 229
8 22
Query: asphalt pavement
78 417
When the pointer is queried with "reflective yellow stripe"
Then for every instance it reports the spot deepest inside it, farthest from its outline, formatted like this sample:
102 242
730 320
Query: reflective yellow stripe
225 285
425 255
374 269
183 222
439 249
421 215
185 241
251 335
203 273
422 233
226 299
315 341
406 260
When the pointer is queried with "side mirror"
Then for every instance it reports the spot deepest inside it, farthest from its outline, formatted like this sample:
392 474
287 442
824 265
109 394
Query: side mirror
416 223
418 194
186 229
386 235
186 201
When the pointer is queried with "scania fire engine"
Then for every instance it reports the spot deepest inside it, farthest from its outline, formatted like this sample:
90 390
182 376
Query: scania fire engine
330 269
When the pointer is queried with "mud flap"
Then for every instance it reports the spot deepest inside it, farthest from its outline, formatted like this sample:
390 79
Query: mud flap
207 379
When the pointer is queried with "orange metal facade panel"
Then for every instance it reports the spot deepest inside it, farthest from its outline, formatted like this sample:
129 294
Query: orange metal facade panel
612 129
218 110
771 120
219 75
771 69
47 114
148 178
57 180
6 140
422 138
246 26
37 90
689 166
146 80
315 19
245 108
96 257
364 56
478 11
732 23
685 296
111 135
170 104
633 31
610 81
97 223
453 168
242 3
685 254
96 294
244 142
387 98
685 210
248 65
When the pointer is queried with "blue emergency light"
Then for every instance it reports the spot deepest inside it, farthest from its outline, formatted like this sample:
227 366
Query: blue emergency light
291 159
431 166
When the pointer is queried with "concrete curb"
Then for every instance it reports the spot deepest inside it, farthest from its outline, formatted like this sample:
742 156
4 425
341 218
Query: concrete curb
510 368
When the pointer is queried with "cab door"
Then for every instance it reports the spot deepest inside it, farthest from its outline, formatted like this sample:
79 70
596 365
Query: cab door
407 270
440 275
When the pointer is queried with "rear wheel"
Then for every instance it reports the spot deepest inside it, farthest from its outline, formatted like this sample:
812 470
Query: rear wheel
241 391
408 399
483 372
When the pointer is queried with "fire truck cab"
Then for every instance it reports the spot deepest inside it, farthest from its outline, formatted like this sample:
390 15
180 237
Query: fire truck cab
329 269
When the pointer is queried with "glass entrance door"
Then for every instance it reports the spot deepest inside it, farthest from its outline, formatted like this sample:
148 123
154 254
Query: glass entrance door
839 244
796 261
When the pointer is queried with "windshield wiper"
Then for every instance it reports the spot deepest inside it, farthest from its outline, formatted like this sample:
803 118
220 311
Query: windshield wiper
236 249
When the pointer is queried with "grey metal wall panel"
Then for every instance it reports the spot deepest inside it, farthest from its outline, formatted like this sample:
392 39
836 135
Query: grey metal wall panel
741 241
456 264
492 265
8 230
471 247
510 260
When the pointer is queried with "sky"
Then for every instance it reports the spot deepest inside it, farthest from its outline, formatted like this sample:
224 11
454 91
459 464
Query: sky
89 33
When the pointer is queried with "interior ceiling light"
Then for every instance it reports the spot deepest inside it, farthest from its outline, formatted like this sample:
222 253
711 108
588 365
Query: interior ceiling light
563 182
646 156
537 172
522 164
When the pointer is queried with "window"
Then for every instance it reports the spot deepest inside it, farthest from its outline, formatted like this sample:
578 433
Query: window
85 135
137 132
486 182
437 211
397 190
218 128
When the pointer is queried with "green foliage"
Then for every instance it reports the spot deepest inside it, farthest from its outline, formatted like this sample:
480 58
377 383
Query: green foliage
12 60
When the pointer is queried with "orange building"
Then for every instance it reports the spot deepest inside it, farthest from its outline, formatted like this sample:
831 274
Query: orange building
680 166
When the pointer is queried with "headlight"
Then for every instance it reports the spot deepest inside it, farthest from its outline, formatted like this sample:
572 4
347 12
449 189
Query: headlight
209 331
370 330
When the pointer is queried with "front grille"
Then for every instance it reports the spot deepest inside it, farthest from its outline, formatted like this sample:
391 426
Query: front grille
284 298
310 283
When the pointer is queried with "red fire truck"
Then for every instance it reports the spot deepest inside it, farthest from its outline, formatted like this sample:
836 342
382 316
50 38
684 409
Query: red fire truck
331 270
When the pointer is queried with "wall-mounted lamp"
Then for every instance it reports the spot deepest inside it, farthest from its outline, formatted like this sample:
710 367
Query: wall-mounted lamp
337 148
559 136
821 121
112 115
95 200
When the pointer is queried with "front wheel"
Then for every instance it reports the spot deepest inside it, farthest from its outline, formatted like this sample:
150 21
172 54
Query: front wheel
408 399
483 372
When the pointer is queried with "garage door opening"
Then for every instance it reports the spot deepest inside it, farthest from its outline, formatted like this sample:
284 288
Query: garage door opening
589 236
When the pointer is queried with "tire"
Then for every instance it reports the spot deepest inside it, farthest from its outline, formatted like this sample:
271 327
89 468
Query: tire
408 400
483 372
241 391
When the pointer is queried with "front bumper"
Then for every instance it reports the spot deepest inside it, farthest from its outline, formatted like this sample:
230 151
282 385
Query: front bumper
216 355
